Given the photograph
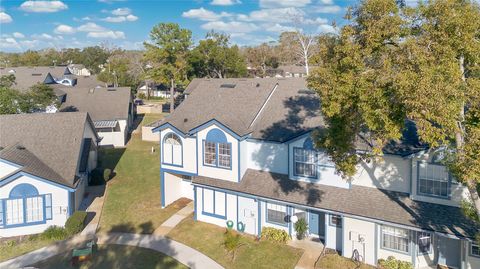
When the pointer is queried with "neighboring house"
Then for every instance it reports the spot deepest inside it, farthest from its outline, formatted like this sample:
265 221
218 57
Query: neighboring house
156 90
79 70
45 161
242 150
111 110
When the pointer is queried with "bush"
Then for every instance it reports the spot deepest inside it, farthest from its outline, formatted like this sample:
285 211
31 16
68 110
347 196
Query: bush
141 95
54 233
75 222
107 174
275 235
392 263
231 242
301 228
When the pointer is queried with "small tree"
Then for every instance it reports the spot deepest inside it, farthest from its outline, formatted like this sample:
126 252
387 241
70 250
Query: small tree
301 228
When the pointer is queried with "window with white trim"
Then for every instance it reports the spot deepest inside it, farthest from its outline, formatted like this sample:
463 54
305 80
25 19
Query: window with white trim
214 203
433 180
475 250
34 206
14 210
395 239
210 155
224 155
305 162
276 214
172 149
424 242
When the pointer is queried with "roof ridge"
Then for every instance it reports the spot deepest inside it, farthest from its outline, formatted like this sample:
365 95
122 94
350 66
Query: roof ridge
263 105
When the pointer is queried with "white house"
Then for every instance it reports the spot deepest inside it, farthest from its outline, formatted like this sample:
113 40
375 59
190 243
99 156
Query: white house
242 150
45 161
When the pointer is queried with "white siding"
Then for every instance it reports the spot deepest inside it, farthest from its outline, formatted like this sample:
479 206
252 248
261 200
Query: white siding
248 214
189 163
116 139
265 156
352 228
59 206
6 168
471 262
176 188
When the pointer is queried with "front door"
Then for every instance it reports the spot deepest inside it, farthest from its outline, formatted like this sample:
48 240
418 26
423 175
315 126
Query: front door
316 223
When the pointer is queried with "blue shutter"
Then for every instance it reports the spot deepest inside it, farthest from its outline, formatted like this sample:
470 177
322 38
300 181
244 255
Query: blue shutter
1 213
48 206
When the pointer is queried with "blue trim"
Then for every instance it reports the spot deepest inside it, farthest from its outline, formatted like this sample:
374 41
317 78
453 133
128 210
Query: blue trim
177 172
375 252
195 202
449 183
470 252
326 220
237 211
71 203
181 152
23 190
168 125
219 124
217 146
315 163
259 204
196 153
290 224
2 215
300 136
22 173
11 163
24 204
216 135
308 144
214 209
413 248
396 250
48 208
239 162
162 188
272 222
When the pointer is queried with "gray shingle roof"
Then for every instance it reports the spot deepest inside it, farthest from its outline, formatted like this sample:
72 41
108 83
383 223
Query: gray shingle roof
393 207
54 139
100 103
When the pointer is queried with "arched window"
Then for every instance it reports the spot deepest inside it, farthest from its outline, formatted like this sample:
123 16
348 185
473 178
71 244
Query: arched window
172 150
25 206
216 150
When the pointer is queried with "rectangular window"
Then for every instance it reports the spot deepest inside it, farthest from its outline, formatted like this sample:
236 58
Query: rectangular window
210 155
424 242
34 209
224 155
305 162
336 220
14 210
433 180
395 238
214 203
474 250
276 214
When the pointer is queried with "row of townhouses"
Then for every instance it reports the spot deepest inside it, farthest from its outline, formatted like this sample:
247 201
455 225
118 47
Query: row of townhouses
242 149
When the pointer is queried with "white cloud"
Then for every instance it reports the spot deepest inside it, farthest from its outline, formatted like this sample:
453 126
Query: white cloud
18 35
326 2
204 14
283 3
121 11
326 28
91 27
230 27
9 43
129 17
110 1
43 6
107 34
328 9
278 28
224 2
5 18
43 36
273 15
315 21
64 29
86 18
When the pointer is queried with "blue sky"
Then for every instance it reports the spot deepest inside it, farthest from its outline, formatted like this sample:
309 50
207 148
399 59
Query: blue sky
126 24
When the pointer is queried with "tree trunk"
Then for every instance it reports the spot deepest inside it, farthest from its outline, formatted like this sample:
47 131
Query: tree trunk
147 86
307 68
172 92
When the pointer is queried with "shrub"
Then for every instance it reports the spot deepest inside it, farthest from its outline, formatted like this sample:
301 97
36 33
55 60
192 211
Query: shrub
275 235
54 233
107 174
75 222
141 95
231 242
392 263
301 228
11 243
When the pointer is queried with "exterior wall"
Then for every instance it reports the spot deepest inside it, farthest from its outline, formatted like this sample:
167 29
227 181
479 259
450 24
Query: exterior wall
266 156
189 158
390 173
148 135
6 168
79 193
176 187
352 228
264 223
248 214
244 157
230 208
458 192
383 253
231 174
333 235
116 139
471 262
60 203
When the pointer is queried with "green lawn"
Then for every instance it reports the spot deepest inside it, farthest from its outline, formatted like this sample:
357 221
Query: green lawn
208 239
334 261
150 118
132 203
9 249
115 256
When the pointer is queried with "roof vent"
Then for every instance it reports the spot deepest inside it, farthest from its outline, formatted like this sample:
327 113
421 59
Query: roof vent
230 86
111 89
20 147
185 120
258 85
36 74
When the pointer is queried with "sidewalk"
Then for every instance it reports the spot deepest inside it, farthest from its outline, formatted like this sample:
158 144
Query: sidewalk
311 252
170 223
96 196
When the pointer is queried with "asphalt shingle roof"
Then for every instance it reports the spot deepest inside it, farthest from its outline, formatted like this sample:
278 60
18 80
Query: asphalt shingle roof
51 140
390 206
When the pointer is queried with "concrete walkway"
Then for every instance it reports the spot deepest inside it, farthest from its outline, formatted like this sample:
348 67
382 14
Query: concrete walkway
312 250
174 220
96 197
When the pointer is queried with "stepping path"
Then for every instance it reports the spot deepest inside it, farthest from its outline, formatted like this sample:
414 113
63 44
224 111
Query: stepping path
311 252
174 220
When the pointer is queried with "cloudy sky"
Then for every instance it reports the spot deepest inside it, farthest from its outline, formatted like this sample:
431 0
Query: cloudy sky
39 24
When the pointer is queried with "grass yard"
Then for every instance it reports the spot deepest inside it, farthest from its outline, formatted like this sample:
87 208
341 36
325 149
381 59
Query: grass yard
10 249
334 261
150 118
115 256
133 194
208 239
